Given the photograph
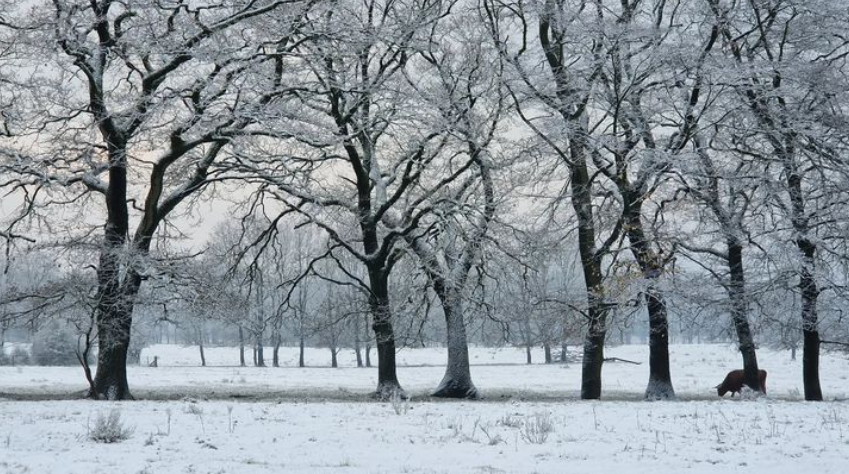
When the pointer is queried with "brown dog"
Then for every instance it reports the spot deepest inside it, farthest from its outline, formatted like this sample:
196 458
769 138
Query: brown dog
734 382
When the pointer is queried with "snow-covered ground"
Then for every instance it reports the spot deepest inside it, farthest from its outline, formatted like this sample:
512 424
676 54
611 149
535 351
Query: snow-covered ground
319 420
498 373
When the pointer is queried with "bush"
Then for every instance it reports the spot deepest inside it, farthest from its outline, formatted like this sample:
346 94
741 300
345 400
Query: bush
109 428
54 344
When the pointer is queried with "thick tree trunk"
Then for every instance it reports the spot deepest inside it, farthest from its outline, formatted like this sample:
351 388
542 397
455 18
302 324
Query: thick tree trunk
546 347
114 323
110 380
591 265
593 358
334 362
740 315
387 378
563 354
457 381
810 331
117 286
660 378
301 344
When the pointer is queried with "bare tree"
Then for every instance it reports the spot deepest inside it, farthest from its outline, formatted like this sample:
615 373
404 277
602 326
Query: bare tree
141 89
469 95
360 129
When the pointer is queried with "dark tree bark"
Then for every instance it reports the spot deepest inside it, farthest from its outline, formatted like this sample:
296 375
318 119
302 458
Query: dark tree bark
387 379
810 331
651 267
115 293
334 361
546 347
241 347
301 344
260 352
591 263
739 313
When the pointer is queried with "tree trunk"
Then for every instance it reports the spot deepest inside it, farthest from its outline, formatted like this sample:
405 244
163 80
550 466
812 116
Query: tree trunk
202 355
260 352
387 378
593 359
358 352
241 347
807 276
810 331
368 355
114 323
591 265
83 357
301 351
117 286
334 362
740 315
275 353
357 343
651 267
563 354
457 381
582 202
528 358
660 377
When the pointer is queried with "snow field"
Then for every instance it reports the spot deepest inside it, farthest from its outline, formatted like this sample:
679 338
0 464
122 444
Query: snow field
498 373
763 436
222 420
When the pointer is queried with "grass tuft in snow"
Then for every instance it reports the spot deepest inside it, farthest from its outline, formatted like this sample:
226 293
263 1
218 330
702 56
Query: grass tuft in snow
536 428
108 428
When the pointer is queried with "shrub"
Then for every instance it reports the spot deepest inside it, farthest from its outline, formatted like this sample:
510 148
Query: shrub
109 428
